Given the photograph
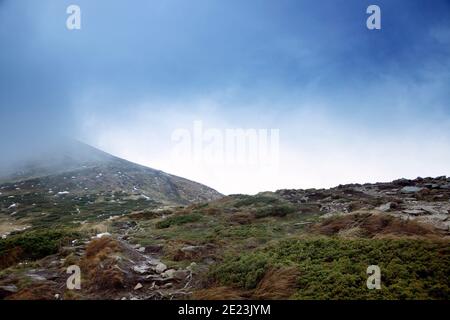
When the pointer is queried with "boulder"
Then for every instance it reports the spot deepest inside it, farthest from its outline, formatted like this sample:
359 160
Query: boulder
385 207
414 212
157 248
181 274
160 267
411 189
141 269
192 266
7 290
168 273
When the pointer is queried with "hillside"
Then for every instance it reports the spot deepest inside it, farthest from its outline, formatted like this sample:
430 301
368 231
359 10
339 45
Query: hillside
288 244
76 170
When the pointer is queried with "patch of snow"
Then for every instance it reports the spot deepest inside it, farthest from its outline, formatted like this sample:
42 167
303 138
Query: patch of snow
101 235
62 193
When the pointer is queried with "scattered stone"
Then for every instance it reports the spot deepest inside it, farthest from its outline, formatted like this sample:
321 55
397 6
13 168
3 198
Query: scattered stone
193 249
153 261
181 274
385 207
7 290
302 223
138 286
429 210
414 212
411 189
141 269
36 277
57 296
160 267
168 273
101 235
192 266
154 248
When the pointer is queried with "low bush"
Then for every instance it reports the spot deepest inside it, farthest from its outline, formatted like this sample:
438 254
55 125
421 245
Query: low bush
178 220
259 200
274 211
33 245
336 268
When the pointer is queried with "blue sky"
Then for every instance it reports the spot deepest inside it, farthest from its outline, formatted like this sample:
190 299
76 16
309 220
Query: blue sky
352 105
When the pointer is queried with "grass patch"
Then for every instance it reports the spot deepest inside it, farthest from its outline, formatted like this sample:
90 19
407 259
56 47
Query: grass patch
178 220
281 210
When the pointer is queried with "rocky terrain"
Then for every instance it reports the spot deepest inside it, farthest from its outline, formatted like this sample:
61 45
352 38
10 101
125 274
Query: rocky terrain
288 244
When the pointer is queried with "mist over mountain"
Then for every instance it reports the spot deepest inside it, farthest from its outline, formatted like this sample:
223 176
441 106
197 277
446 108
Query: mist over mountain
73 167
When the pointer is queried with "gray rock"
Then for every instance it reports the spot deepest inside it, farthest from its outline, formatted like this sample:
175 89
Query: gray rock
9 289
141 269
181 274
193 249
414 212
168 273
157 248
411 189
192 266
385 207
429 210
160 267
36 277
138 286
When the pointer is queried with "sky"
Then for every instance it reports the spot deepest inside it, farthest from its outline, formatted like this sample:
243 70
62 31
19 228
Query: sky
166 83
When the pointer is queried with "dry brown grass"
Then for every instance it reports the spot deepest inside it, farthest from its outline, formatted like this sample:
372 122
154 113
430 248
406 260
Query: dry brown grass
277 283
373 225
241 218
100 266
45 291
212 211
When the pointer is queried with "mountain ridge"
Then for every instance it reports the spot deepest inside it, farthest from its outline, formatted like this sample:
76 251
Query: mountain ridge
80 168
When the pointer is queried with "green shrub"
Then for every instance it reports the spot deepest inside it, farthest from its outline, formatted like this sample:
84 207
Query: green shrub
258 200
274 211
178 220
336 268
244 271
34 245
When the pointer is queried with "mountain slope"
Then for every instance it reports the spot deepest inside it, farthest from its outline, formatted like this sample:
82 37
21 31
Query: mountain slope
78 169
